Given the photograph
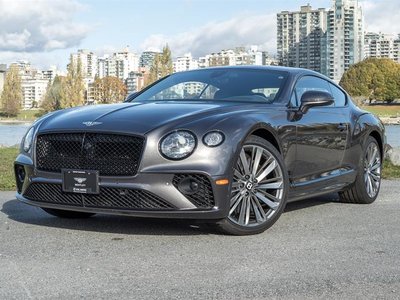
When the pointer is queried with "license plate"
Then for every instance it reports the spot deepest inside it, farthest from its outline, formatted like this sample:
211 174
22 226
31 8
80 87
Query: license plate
79 181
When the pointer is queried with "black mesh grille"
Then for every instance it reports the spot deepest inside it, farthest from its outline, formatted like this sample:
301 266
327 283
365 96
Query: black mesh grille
126 198
204 197
108 198
110 154
52 193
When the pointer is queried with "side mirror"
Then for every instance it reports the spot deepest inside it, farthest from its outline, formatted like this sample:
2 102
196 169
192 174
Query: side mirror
315 98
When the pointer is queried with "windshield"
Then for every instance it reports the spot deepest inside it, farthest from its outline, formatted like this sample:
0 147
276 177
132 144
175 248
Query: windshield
228 84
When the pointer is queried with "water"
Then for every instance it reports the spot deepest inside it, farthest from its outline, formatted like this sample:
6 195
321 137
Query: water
393 135
11 134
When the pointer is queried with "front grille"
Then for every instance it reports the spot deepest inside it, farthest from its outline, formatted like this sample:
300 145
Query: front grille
115 198
110 154
204 197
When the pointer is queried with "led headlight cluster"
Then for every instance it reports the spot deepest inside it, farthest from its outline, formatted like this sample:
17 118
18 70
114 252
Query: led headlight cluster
28 140
178 144
181 143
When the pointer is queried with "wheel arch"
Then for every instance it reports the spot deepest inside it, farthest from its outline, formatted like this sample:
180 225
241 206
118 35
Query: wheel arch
368 125
375 134
267 134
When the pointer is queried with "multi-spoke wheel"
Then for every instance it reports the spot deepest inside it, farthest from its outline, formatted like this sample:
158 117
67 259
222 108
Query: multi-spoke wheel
258 192
366 187
372 169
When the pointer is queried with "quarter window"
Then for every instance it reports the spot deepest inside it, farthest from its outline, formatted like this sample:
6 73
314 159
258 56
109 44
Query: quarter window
338 95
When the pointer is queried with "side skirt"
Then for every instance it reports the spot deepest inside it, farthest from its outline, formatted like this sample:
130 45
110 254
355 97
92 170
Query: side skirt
334 182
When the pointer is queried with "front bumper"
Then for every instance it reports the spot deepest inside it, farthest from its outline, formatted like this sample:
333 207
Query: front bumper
155 194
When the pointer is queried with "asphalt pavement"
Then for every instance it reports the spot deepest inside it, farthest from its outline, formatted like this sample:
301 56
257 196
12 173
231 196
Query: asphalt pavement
319 248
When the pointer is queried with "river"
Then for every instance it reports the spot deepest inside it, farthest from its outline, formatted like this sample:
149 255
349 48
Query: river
11 134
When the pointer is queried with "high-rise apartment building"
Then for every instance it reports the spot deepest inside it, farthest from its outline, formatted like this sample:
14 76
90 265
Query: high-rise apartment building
49 74
236 57
33 91
88 62
102 67
34 83
325 41
136 80
300 37
231 57
257 57
125 62
344 37
147 58
119 64
381 45
185 63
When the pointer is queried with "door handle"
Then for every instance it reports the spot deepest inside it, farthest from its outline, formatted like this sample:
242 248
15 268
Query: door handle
342 127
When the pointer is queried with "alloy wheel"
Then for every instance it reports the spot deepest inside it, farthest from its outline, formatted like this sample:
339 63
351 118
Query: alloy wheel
257 188
372 170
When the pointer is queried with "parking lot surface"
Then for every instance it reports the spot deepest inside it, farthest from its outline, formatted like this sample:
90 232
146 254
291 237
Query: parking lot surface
319 248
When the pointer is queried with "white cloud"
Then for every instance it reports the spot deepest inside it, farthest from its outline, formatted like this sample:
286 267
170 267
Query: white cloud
242 30
41 60
382 16
41 25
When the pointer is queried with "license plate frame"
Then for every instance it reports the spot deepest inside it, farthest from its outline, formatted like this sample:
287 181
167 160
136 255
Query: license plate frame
80 181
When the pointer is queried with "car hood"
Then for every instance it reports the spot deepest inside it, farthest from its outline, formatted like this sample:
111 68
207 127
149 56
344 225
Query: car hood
138 118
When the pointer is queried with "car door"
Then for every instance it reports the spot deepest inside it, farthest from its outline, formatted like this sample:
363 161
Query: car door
321 133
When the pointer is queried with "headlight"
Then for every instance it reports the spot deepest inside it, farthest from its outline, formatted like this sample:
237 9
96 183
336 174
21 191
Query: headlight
213 139
28 139
178 145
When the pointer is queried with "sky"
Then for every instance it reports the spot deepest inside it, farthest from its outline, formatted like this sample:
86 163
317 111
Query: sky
45 32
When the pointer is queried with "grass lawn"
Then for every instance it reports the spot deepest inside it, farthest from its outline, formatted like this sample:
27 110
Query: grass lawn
24 115
383 110
8 155
29 115
390 171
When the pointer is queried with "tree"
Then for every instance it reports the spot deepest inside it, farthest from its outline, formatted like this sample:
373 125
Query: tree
373 78
109 90
165 61
55 95
74 86
11 97
161 67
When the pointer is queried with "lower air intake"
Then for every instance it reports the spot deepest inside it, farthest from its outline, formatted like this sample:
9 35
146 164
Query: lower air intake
202 196
116 198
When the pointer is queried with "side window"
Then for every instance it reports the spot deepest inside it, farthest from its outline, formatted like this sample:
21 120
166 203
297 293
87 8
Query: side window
310 83
338 95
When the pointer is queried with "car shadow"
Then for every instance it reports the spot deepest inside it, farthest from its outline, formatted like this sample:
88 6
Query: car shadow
20 212
23 213
315 201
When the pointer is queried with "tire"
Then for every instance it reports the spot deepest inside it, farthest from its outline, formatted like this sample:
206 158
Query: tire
366 187
258 190
67 214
